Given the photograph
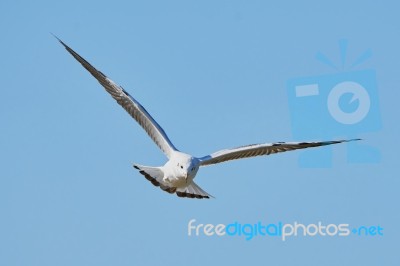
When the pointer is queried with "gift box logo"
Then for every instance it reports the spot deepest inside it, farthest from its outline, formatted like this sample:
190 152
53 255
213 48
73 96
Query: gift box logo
340 105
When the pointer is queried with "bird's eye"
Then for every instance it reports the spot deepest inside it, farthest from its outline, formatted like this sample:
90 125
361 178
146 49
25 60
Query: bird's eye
192 168
181 167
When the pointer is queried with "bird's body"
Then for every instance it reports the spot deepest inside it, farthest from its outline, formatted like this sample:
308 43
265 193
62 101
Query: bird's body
181 169
178 173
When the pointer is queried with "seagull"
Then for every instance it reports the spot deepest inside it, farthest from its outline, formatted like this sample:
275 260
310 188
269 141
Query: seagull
178 173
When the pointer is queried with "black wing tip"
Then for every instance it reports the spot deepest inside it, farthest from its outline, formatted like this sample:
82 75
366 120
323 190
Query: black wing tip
353 140
55 36
343 141
280 143
58 39
82 60
74 54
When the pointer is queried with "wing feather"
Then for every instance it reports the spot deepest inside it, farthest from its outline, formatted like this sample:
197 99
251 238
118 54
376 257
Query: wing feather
261 149
133 107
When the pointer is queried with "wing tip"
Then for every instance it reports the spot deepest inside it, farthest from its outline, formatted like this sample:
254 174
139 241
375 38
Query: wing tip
354 139
345 140
58 39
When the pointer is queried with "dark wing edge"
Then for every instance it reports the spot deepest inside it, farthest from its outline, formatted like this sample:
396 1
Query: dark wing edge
262 149
133 107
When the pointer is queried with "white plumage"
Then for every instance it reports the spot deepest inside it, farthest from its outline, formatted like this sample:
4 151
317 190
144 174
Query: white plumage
177 175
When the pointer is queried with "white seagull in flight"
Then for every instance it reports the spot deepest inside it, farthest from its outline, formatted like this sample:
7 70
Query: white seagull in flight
177 175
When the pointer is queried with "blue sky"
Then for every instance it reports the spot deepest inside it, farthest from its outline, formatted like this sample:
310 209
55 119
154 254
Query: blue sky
214 74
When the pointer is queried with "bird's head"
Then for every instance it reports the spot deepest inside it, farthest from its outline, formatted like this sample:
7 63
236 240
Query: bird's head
187 167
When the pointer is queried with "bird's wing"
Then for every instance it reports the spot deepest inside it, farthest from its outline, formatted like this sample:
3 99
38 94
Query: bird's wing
133 107
261 149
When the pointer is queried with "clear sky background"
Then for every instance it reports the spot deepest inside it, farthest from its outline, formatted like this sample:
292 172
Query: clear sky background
213 74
